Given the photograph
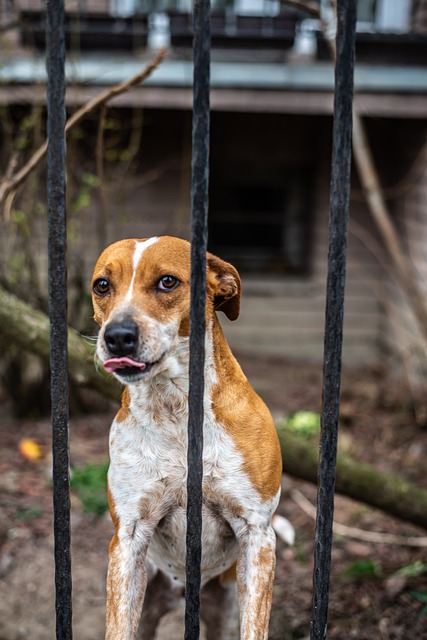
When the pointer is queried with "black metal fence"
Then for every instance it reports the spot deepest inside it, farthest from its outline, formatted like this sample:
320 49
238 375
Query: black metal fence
58 312
339 199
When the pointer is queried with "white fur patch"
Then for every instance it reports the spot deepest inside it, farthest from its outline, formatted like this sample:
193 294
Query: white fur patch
140 247
148 474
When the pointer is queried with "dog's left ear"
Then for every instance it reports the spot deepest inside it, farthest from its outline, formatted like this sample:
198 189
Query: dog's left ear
226 287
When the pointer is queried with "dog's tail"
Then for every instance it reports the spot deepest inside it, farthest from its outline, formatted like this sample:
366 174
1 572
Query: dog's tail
283 529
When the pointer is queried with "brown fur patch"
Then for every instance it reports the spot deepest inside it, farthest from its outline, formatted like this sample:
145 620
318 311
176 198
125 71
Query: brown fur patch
114 517
168 256
246 418
124 410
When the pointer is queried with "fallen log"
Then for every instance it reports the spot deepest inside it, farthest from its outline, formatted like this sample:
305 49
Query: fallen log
362 482
29 328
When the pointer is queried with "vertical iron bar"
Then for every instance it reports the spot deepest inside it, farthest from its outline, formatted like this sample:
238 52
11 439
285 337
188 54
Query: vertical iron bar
338 225
57 276
199 217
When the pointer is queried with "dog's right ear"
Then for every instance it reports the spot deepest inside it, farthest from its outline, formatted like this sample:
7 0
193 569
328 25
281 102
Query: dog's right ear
227 287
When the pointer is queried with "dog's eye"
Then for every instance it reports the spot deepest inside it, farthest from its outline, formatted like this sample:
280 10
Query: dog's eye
167 283
101 287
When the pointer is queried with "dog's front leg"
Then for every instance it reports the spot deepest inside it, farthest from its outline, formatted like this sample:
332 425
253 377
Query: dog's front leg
126 580
255 574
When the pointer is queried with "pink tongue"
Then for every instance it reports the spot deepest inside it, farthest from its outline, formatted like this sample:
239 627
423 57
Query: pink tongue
122 363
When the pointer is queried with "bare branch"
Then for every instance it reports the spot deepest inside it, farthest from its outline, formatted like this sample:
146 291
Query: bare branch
102 217
408 181
374 195
359 534
403 269
11 184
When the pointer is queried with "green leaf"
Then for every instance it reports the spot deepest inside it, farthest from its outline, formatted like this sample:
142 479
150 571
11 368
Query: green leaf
29 514
364 569
90 484
90 179
304 423
421 596
415 569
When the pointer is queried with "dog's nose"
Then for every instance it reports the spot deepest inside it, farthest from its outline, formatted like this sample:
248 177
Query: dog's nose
121 338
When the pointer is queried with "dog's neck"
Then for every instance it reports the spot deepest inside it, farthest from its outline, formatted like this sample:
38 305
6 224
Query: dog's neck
167 391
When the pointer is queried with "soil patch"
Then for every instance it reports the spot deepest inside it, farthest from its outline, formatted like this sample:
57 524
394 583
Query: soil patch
378 590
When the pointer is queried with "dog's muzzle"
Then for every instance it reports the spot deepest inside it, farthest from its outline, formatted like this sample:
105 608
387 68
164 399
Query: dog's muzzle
121 340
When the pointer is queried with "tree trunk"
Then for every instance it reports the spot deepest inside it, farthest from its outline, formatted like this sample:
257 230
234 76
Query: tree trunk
356 480
25 326
29 329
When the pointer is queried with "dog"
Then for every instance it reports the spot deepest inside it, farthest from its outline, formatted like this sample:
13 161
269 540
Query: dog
141 299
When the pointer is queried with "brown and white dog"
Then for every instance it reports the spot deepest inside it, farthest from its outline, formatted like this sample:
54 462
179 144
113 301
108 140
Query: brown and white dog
141 297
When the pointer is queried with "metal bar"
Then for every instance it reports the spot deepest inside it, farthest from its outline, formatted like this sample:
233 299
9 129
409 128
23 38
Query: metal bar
199 217
57 275
338 226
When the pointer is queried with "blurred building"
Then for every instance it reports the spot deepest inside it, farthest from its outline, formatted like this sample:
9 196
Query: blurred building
272 102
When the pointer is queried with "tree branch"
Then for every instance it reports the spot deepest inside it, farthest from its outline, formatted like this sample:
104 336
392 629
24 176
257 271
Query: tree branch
359 534
401 265
10 184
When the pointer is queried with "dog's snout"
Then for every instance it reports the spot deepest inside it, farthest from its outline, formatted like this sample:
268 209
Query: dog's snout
121 338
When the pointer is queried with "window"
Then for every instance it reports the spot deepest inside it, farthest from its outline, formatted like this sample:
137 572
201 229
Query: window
260 225
383 15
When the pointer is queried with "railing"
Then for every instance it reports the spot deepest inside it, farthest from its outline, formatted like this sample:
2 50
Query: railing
58 312
334 311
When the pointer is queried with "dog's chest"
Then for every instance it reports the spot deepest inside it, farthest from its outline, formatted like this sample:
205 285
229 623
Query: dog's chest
148 464
147 480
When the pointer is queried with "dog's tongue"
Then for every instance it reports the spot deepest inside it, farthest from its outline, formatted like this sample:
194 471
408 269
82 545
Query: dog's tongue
113 364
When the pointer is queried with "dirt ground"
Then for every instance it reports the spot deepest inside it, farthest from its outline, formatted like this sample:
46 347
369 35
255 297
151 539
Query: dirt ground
378 590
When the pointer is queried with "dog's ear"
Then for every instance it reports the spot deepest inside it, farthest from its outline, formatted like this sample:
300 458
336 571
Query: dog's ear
226 286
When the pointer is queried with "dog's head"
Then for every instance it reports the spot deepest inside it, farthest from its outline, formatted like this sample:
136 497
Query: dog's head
141 300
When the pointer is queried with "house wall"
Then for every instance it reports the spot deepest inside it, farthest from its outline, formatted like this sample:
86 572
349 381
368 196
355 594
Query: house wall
404 336
281 314
287 318
101 6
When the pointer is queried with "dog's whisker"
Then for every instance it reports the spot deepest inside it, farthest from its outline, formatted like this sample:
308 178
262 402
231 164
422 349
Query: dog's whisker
98 364
89 339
